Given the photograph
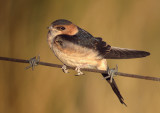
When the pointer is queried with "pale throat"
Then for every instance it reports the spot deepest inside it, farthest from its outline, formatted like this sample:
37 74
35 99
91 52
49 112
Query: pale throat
51 36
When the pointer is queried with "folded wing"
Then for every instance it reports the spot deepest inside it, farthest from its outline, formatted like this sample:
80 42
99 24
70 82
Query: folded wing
123 53
110 52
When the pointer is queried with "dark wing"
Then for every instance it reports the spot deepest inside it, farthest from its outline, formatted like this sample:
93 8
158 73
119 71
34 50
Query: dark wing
109 52
122 53
85 39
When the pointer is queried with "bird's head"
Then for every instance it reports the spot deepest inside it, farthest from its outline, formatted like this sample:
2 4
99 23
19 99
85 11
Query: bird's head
62 27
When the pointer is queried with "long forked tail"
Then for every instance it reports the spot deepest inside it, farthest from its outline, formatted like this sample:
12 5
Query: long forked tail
115 89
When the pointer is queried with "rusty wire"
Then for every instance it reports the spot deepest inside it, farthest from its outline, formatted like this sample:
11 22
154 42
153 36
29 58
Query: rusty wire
90 70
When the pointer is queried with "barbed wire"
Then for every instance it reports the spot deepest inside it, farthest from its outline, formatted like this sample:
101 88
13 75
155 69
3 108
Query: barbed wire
90 70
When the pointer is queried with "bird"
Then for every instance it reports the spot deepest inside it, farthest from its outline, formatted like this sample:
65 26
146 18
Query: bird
75 47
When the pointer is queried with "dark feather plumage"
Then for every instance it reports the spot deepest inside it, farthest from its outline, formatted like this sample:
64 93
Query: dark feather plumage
122 53
82 38
85 39
61 22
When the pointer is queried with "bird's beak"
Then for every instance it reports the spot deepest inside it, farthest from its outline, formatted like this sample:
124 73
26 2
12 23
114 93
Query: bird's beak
53 31
50 28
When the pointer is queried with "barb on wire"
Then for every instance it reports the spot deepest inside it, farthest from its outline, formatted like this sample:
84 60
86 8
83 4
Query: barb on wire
90 70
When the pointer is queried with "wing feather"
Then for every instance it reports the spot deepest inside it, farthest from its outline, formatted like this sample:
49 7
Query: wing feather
123 53
85 39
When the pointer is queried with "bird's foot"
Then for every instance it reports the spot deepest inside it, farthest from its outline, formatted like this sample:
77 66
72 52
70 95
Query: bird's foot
79 72
33 62
111 73
64 69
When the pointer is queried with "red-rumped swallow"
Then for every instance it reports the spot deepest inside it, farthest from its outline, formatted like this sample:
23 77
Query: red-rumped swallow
77 48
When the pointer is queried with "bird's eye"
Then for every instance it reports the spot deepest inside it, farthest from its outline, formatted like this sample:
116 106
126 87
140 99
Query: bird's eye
61 28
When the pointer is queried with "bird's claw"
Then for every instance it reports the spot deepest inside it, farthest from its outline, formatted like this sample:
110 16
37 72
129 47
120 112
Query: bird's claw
111 73
64 69
33 62
79 72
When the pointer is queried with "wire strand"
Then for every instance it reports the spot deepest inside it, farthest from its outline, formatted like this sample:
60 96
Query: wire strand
90 70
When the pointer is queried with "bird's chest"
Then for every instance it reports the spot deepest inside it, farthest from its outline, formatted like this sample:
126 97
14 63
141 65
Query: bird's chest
73 55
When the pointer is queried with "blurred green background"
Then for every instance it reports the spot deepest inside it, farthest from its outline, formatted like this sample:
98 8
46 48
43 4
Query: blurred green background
125 23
